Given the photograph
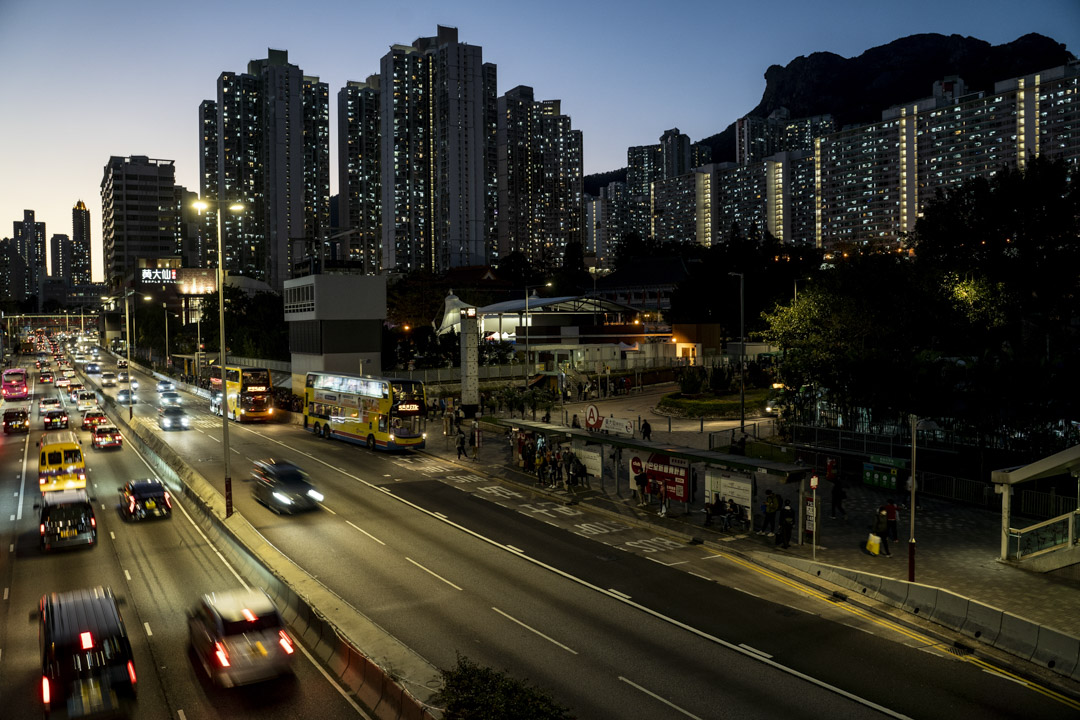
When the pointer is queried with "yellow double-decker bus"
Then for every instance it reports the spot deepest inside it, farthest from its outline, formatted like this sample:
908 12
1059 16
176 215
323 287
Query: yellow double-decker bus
248 393
381 413
61 465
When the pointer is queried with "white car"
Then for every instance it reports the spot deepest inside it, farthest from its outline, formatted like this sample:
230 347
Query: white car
170 397
108 379
85 401
46 404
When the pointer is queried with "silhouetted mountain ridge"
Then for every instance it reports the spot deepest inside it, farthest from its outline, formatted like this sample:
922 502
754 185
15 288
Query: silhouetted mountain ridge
856 90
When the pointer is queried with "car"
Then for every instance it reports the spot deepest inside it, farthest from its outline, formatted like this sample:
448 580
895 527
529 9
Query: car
140 499
46 377
170 397
122 376
69 372
92 418
55 420
126 397
66 519
283 487
74 389
239 637
85 400
171 417
165 386
121 363
80 358
16 420
93 368
48 403
105 435
63 382
108 378
87 665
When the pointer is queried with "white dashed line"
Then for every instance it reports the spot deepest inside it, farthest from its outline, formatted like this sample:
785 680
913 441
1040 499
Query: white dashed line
657 697
147 626
365 532
616 592
127 576
435 575
755 651
534 630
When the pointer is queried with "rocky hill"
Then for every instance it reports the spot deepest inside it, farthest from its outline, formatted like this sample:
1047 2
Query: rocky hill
856 90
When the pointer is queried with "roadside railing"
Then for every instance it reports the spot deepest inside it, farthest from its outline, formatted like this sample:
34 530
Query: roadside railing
1053 534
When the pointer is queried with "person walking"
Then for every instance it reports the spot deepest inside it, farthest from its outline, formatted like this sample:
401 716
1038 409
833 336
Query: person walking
838 497
474 441
787 525
881 529
890 519
646 430
772 505
460 444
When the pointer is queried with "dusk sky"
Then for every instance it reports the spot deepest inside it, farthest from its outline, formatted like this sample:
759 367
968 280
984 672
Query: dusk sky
86 80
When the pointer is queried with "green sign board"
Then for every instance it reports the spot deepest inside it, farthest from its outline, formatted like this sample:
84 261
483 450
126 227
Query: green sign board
879 476
890 461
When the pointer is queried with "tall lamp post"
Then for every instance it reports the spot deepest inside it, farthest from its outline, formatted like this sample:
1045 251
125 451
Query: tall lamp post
742 355
527 288
129 326
233 207
915 425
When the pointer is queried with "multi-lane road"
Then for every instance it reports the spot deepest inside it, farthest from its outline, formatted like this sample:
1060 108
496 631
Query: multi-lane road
614 620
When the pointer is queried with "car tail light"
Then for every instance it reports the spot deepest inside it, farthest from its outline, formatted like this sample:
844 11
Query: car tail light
42 528
93 522
285 642
222 656
131 506
250 616
41 479
168 499
46 696
86 640
131 671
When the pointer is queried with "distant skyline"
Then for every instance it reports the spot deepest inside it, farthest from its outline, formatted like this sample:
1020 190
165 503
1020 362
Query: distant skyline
85 81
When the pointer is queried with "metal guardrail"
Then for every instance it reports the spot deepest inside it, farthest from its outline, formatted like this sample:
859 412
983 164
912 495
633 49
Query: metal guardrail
1053 534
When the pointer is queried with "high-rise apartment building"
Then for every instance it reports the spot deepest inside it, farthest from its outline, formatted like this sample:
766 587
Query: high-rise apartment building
60 258
539 178
437 147
757 138
80 244
266 146
30 244
359 173
138 215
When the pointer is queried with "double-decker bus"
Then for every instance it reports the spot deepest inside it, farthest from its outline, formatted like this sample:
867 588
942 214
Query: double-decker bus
248 393
381 413
13 384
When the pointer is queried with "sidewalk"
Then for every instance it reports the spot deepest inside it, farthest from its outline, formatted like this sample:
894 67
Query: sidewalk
957 546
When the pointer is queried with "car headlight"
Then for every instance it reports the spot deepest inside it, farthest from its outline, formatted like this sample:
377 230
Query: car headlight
184 422
283 499
315 495
166 422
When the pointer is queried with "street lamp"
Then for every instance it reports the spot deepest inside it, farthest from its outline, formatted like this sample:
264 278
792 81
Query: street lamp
742 355
129 327
915 425
233 207
527 288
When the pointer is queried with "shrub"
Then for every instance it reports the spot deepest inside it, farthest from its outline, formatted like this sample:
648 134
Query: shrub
472 692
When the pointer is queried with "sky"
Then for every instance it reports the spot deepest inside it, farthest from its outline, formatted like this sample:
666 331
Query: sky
84 81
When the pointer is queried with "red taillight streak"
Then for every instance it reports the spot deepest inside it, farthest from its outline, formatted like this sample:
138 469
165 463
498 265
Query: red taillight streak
93 522
87 640
286 642
46 696
131 671
42 528
222 656
131 506
168 500
250 616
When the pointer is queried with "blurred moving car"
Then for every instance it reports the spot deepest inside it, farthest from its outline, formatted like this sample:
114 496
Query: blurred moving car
16 420
171 417
55 420
87 666
46 404
141 499
92 418
122 376
165 386
93 368
283 487
85 400
74 389
240 637
170 397
62 382
126 397
108 378
122 363
46 377
106 436
66 520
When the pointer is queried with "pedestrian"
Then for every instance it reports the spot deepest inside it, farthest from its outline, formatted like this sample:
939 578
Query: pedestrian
474 446
881 529
711 507
787 525
731 513
460 444
772 505
838 497
641 482
646 430
890 519
911 481
661 489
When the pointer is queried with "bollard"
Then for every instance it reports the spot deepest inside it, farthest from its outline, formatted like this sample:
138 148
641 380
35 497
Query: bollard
669 423
702 424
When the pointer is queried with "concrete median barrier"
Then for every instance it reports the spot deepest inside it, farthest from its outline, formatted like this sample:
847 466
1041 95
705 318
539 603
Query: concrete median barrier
1057 651
949 609
1018 636
982 623
920 599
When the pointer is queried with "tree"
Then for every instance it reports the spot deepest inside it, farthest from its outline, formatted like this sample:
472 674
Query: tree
472 692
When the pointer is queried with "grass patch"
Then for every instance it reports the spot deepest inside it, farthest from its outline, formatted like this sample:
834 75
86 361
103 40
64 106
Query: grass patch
712 406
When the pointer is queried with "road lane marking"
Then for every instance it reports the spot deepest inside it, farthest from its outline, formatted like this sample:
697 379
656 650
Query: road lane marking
112 535
650 693
755 650
624 596
436 575
127 576
534 630
5 593
357 527
148 632
514 549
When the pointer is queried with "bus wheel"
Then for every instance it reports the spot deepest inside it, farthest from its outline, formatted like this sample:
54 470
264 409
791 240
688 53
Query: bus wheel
326 431
371 442
317 429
